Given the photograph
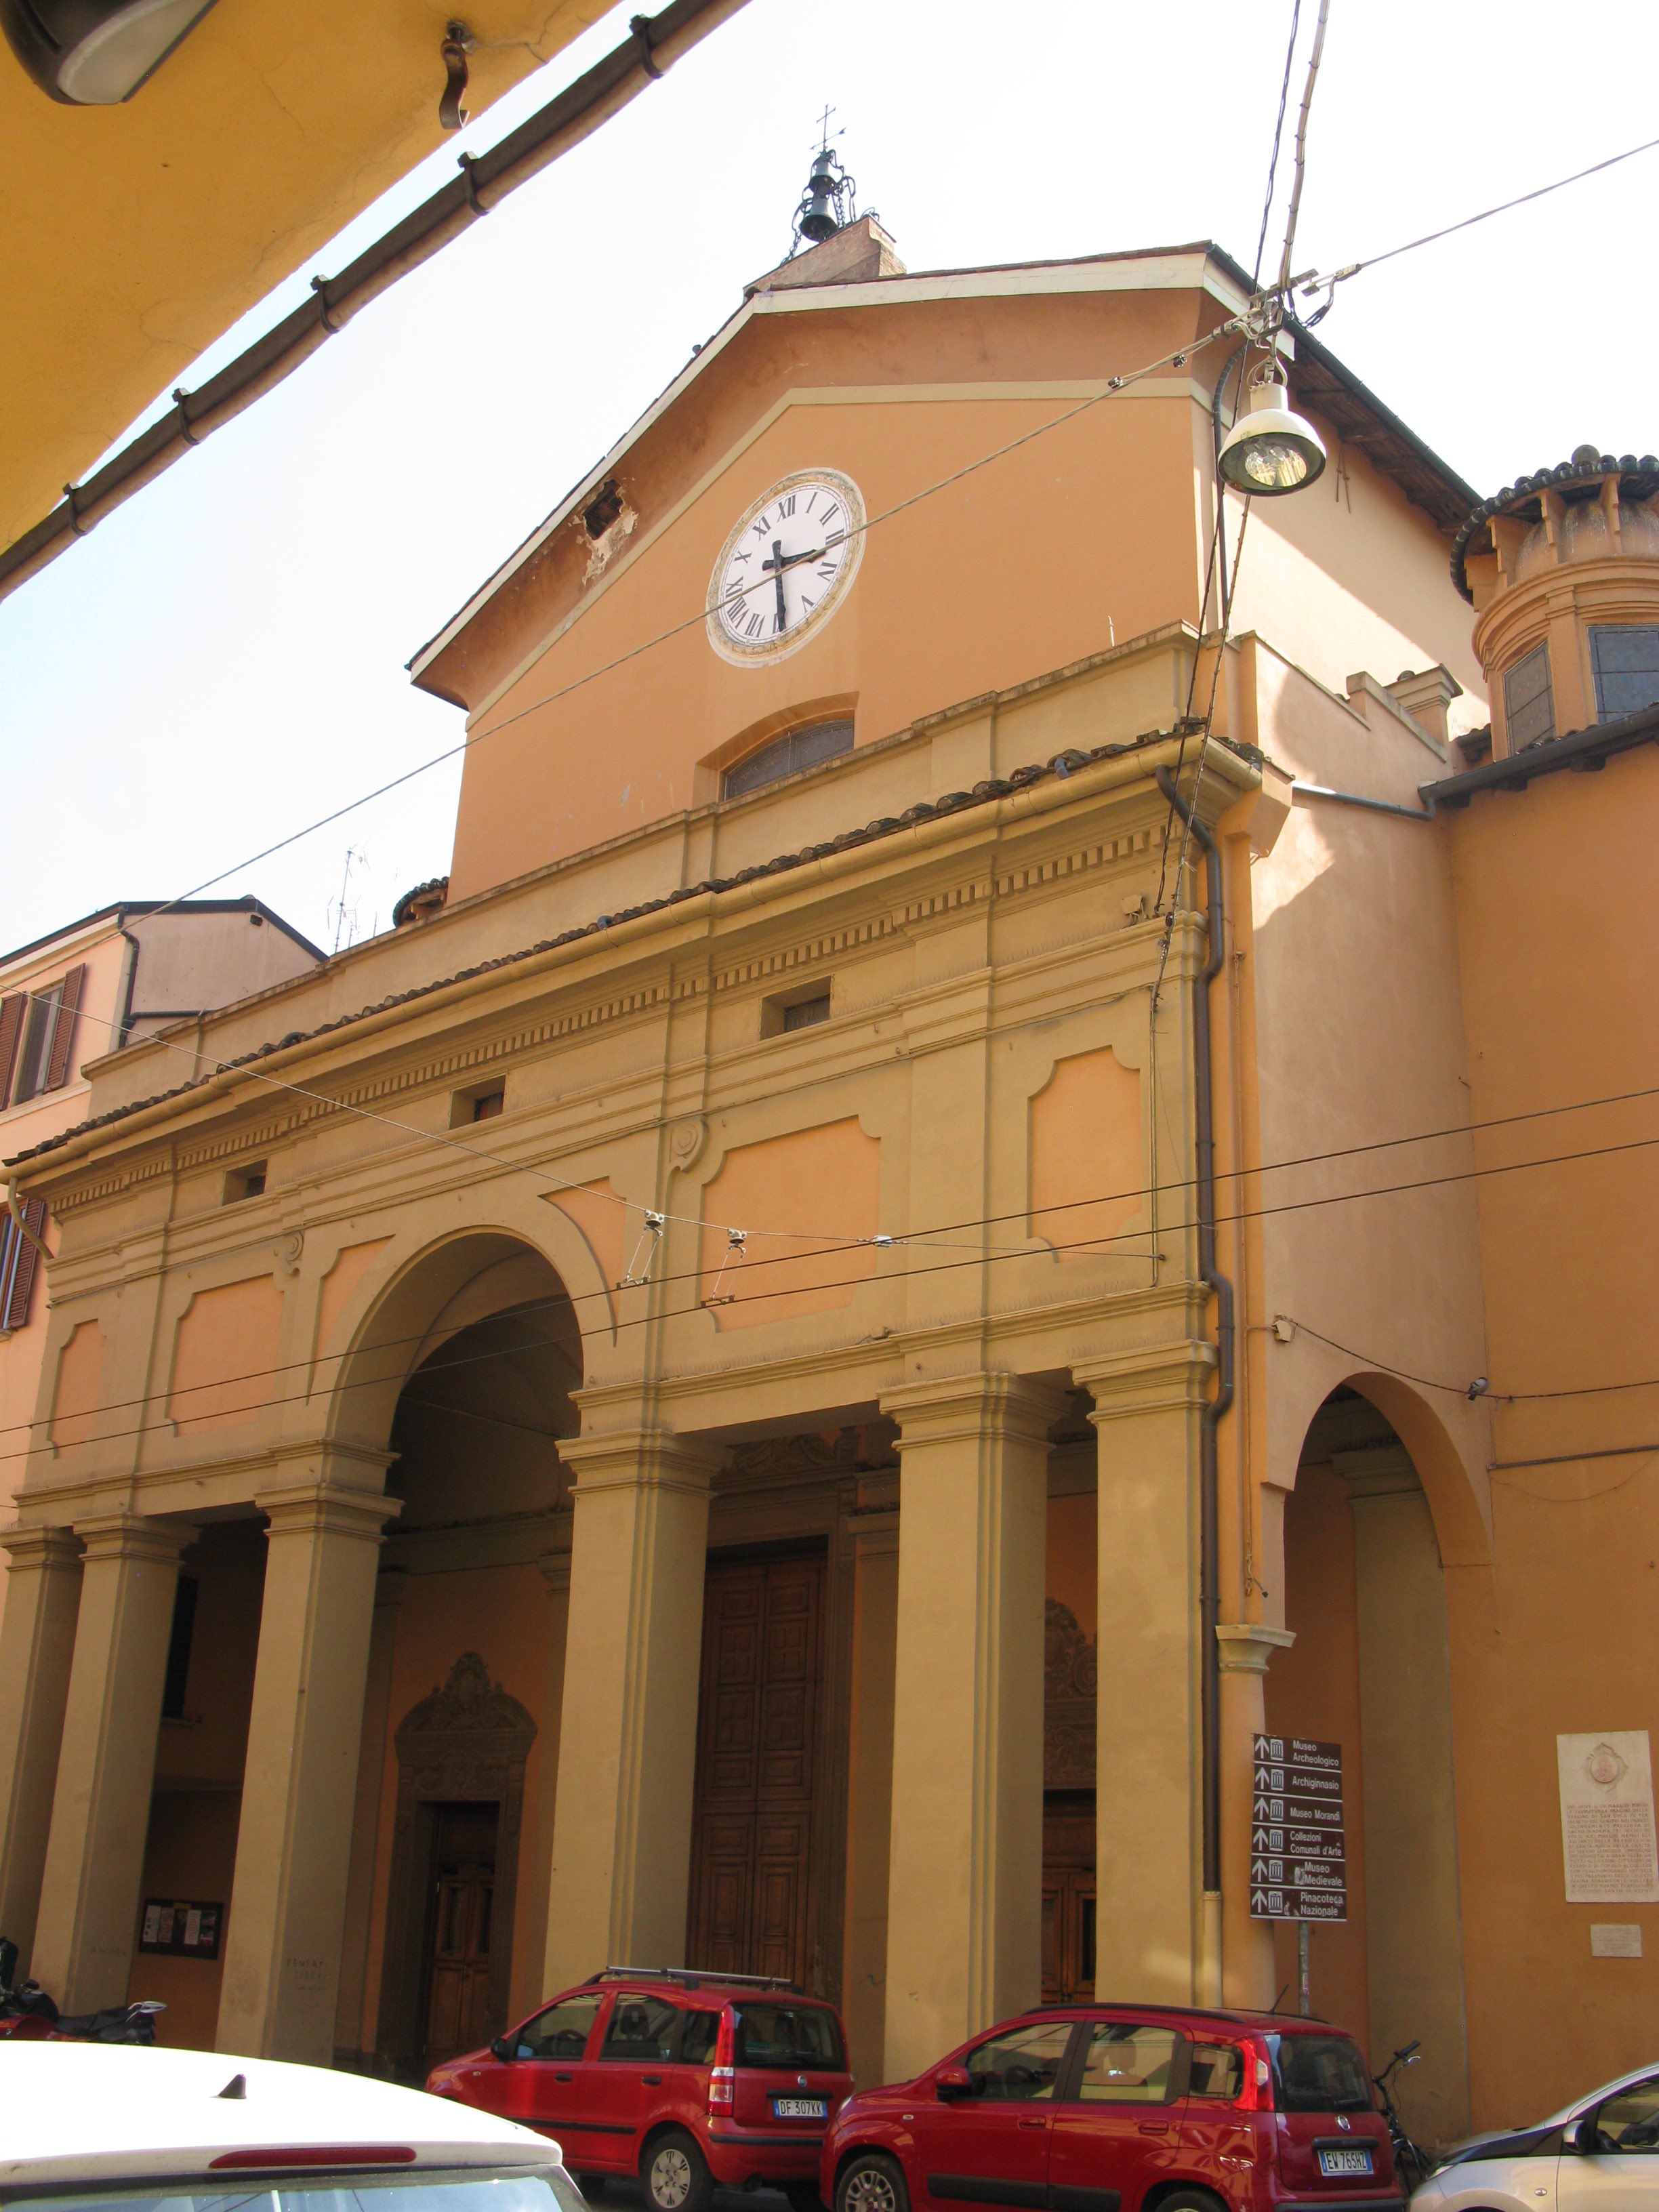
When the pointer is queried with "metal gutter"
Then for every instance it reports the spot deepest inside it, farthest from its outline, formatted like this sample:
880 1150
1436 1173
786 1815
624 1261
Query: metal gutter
658 41
1354 798
1583 749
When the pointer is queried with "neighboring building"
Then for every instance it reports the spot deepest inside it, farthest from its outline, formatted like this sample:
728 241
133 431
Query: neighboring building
710 1363
124 973
138 229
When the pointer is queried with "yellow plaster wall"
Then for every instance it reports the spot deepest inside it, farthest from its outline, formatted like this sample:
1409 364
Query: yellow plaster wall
1087 1165
351 1265
80 1370
135 235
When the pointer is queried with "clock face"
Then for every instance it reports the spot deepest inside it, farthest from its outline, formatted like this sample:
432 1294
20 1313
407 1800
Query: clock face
787 567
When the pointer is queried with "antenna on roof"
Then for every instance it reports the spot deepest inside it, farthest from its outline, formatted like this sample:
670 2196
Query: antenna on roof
830 200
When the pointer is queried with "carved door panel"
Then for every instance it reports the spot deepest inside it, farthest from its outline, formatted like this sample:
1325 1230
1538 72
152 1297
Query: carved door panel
757 1741
1068 1899
463 1881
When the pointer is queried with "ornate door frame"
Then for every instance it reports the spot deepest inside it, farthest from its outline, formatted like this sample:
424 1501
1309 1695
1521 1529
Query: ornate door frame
465 1743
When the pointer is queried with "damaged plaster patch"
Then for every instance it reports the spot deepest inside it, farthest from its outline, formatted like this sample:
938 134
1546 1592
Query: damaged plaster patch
602 549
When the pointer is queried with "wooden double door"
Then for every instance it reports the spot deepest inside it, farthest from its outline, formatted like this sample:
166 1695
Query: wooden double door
759 1717
1068 1898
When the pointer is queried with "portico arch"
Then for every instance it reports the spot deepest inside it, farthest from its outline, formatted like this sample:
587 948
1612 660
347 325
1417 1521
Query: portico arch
1368 1531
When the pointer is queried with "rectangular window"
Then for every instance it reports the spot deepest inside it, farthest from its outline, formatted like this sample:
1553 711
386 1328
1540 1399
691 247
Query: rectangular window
1529 702
787 756
697 2042
1128 2064
18 1260
809 1011
787 2034
1218 2070
487 1107
1626 663
1319 2074
641 2030
246 1183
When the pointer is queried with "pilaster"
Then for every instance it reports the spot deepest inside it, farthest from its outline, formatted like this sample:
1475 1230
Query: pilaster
37 1650
965 1880
622 1824
1246 1647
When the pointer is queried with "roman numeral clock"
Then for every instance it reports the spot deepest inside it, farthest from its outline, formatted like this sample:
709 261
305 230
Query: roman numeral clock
788 565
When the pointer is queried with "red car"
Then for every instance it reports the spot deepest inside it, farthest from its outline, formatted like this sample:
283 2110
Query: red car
1124 2108
690 2082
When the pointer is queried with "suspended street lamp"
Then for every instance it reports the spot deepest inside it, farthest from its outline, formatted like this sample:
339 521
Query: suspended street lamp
1271 450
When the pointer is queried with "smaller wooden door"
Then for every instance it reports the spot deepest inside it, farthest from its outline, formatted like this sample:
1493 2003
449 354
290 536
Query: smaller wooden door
464 1883
1068 1900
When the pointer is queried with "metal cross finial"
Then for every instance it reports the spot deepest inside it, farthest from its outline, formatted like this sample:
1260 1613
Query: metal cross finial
823 127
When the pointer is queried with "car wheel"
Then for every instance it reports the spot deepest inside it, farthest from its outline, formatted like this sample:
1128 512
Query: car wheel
871 2182
676 2174
1191 2200
803 2195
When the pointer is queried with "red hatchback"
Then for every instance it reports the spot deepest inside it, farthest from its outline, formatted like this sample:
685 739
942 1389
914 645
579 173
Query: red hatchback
687 2081
1121 2108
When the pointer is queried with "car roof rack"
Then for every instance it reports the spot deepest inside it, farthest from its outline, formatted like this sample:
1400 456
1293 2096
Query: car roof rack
693 1977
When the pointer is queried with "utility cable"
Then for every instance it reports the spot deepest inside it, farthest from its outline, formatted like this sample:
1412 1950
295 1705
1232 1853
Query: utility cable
1278 130
969 1259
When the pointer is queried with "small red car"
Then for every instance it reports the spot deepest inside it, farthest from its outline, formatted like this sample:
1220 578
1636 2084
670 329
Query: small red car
1124 2108
690 2082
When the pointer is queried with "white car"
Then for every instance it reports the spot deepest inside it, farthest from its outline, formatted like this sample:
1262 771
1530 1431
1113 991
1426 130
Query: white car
94 2128
1599 2154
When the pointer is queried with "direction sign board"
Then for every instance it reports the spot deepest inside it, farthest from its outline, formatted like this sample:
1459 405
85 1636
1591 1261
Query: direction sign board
1298 1849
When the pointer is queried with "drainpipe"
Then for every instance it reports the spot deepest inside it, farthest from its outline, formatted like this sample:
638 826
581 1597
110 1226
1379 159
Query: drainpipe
1209 1596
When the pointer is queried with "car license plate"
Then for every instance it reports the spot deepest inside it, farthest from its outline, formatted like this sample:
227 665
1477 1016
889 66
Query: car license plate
800 2108
1350 2159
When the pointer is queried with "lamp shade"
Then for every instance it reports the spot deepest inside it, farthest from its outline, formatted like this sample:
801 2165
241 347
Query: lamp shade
1271 450
95 53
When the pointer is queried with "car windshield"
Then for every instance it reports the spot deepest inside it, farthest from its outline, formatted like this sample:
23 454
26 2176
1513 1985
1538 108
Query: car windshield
537 2189
787 2035
1319 2074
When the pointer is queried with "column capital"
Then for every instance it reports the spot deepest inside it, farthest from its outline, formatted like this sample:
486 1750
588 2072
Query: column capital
133 1536
1152 1379
1247 1646
35 1549
638 1459
326 1508
948 1406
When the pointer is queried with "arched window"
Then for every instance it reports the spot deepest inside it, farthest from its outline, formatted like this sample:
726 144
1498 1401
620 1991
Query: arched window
800 749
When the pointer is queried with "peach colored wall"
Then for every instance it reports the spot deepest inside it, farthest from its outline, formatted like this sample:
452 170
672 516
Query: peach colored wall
1313 1690
820 1189
225 1355
1557 939
1072 1535
350 1266
80 1371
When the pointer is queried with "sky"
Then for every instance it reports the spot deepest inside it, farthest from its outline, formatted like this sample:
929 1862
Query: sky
222 661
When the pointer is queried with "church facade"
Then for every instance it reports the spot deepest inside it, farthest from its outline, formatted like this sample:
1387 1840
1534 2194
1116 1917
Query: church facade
789 1373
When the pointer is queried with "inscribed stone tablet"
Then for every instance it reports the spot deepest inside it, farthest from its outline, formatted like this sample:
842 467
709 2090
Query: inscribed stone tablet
1606 1818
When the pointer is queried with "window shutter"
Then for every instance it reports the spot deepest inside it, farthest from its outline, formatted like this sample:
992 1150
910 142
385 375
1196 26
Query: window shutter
18 1261
11 1028
62 1033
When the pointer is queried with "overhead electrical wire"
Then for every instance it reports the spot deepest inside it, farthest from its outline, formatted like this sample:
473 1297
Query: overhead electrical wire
975 1258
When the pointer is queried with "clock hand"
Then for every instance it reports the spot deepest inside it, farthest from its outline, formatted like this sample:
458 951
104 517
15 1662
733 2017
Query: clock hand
777 564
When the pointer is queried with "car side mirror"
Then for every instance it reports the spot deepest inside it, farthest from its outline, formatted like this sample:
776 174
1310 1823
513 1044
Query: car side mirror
1587 2136
951 2083
502 2048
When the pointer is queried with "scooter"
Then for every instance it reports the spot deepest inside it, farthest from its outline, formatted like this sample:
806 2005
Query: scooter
27 2015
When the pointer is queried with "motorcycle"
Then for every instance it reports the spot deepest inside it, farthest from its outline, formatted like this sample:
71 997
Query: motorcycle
27 2015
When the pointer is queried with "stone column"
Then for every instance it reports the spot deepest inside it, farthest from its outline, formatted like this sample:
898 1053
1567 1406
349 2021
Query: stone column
294 1845
389 1589
107 1768
965 1881
622 1823
1149 1866
1247 1957
37 1648
555 1573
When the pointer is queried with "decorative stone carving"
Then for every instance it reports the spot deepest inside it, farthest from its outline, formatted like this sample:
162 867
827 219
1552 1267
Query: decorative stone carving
685 1140
1070 1676
839 1451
